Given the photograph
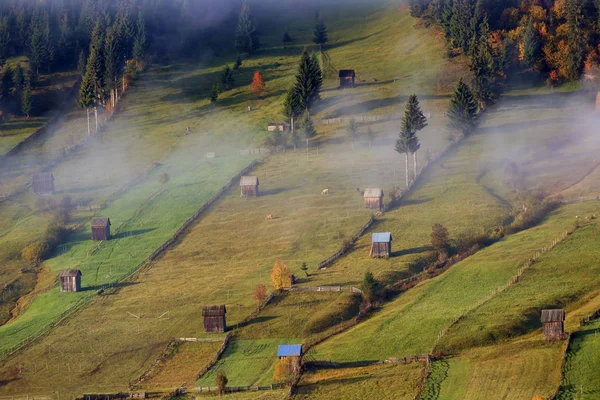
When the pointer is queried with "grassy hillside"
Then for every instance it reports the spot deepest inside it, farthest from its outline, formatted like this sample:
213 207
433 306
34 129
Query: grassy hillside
383 382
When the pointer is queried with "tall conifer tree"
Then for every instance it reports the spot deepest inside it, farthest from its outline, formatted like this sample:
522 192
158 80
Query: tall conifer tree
246 35
462 111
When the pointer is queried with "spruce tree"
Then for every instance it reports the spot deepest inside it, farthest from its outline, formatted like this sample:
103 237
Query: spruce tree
37 50
307 130
18 79
532 45
214 94
246 35
4 39
483 66
26 100
460 22
111 62
139 44
81 63
403 144
309 80
462 111
352 132
238 63
290 108
86 97
415 121
227 79
320 34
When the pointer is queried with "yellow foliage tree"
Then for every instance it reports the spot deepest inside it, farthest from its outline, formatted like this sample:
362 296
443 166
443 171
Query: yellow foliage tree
286 370
281 276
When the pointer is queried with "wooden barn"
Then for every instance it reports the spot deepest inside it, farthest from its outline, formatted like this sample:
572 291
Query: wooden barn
249 186
70 280
553 323
381 246
272 127
347 78
293 351
373 199
42 183
101 228
214 319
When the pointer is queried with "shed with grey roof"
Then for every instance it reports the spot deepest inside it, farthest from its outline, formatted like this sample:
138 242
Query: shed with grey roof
381 245
249 186
70 280
373 199
101 228
553 323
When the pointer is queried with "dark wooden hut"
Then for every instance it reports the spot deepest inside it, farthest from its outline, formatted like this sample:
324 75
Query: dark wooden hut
70 280
214 319
101 228
293 351
373 199
553 323
249 186
42 183
381 246
347 78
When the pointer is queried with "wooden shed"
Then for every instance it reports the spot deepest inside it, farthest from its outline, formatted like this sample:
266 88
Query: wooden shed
553 323
214 319
293 351
347 78
381 246
249 186
273 126
373 199
101 228
42 183
70 280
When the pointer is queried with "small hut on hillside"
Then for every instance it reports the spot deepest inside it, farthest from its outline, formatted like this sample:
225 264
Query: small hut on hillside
293 351
272 127
70 280
553 323
214 319
249 186
42 183
101 228
373 199
347 78
381 246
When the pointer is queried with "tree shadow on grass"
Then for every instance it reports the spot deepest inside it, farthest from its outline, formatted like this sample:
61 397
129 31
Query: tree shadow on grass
415 250
117 285
134 232
275 191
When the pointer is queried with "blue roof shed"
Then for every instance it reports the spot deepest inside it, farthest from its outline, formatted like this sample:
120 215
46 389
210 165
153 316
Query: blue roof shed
289 350
385 237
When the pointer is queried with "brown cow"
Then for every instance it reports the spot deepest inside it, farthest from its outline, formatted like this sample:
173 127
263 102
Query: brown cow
269 216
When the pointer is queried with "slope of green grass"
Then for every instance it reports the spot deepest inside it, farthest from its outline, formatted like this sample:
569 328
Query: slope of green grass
567 274
582 369
411 323
399 382
518 370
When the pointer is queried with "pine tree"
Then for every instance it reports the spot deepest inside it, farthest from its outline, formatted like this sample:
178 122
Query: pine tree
37 50
81 63
26 100
320 34
246 35
307 130
403 144
4 39
86 97
309 80
460 22
462 111
290 107
238 63
214 94
532 45
483 66
227 79
111 63
139 44
352 132
415 121
18 79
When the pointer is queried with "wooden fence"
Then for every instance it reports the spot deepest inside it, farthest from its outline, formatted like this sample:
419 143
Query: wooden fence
149 370
234 389
323 289
586 320
563 362
220 352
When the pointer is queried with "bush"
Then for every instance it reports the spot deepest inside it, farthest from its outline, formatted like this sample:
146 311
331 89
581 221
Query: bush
221 382
164 178
33 252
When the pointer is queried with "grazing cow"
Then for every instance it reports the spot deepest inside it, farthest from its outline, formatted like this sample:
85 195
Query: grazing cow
269 216
325 191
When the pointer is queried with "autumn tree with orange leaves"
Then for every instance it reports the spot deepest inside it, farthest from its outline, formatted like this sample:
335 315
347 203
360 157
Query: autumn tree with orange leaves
258 84
281 277
260 294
